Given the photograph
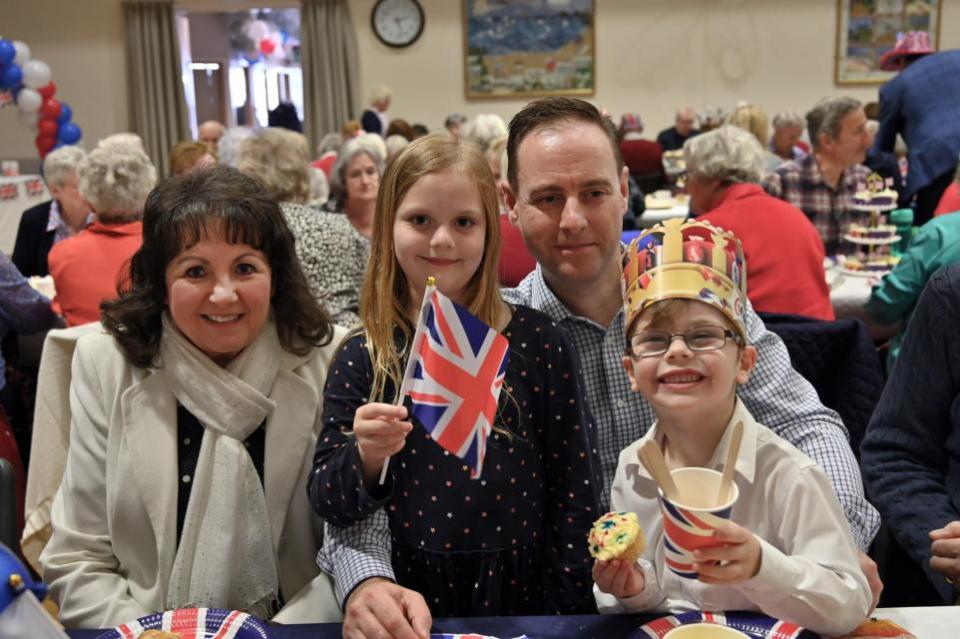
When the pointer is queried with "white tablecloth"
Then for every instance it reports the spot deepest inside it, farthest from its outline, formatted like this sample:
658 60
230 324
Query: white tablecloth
849 294
15 198
654 216
940 622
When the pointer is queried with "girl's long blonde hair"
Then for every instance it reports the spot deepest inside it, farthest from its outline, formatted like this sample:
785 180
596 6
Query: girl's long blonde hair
385 297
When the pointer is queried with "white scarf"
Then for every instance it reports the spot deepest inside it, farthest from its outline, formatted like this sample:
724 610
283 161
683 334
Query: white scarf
225 557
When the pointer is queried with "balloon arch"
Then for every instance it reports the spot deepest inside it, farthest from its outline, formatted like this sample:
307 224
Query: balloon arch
28 82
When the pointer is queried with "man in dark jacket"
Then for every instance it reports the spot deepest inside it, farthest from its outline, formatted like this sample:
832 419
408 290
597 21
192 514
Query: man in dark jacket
47 223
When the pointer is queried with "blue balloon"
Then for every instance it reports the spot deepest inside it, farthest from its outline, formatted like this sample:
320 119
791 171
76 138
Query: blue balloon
58 145
65 114
12 76
70 133
7 52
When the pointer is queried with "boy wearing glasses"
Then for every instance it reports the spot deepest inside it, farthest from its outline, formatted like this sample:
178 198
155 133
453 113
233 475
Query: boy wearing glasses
787 550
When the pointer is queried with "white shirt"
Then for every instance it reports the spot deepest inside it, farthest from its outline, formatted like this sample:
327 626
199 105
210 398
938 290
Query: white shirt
809 569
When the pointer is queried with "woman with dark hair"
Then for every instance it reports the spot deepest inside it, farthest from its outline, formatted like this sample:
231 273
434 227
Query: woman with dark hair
194 419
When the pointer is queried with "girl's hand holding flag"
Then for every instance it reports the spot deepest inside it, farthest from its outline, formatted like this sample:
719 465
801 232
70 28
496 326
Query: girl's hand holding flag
381 431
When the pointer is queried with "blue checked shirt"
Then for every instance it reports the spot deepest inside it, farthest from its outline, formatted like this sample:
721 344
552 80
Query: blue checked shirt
776 395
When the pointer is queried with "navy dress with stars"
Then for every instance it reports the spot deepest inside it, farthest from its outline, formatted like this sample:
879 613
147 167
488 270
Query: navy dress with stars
513 542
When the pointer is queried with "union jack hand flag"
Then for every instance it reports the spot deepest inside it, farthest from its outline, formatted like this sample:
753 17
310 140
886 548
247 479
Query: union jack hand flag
457 378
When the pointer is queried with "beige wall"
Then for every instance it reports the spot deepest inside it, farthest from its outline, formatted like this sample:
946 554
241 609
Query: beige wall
82 41
652 55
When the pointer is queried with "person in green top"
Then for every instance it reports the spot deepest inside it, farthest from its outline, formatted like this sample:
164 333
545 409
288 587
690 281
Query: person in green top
935 245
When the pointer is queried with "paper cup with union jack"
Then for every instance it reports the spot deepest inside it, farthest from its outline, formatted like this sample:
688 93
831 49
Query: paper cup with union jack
690 525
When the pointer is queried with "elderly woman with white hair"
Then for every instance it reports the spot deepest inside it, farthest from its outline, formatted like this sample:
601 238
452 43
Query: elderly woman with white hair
86 269
484 130
788 127
783 249
51 222
332 254
355 181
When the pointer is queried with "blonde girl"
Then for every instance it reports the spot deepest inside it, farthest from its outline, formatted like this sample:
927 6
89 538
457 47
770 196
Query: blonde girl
511 542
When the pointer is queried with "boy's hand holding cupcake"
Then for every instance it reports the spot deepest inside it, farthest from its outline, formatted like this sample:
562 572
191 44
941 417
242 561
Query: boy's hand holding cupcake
616 541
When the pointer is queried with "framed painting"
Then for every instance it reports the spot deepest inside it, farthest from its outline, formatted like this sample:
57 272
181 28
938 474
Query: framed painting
866 29
520 48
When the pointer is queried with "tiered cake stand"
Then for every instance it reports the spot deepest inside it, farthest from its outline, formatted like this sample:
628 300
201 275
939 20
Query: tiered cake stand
868 248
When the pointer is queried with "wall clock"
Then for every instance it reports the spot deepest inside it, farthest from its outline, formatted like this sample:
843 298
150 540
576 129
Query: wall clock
397 23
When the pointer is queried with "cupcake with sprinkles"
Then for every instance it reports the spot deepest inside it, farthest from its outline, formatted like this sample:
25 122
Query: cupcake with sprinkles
617 535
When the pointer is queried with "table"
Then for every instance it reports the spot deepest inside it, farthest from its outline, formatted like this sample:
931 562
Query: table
849 295
935 622
17 194
654 216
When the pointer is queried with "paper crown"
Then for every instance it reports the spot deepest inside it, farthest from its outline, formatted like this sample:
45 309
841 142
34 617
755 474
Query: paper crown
685 260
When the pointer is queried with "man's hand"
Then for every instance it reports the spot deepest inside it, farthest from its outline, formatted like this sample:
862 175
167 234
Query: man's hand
380 609
619 578
738 550
869 568
946 551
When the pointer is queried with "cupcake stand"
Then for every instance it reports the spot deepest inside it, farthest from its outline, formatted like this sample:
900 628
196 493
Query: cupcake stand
871 241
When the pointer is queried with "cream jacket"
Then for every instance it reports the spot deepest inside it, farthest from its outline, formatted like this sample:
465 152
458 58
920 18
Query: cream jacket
115 515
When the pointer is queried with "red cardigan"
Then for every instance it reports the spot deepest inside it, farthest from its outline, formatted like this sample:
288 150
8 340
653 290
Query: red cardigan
950 200
783 250
85 268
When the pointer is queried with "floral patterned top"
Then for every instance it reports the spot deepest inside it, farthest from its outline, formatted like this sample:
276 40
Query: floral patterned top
334 258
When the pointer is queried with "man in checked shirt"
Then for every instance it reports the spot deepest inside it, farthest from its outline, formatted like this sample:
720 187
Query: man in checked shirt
567 193
822 184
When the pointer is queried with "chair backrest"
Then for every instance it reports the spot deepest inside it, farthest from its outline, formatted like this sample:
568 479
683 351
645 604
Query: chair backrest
9 529
51 436
839 360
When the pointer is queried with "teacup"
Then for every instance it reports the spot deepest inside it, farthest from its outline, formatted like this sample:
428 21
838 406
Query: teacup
704 631
689 523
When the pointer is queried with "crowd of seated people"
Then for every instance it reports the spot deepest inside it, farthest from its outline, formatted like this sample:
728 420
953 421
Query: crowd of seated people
257 306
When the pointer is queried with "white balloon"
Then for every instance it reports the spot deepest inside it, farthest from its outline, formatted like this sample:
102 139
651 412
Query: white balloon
28 118
36 74
29 101
258 30
23 53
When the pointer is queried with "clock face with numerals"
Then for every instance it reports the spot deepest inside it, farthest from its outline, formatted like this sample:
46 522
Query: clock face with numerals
398 23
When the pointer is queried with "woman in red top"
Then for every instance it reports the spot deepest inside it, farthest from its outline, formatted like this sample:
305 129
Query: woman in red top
950 200
780 243
87 268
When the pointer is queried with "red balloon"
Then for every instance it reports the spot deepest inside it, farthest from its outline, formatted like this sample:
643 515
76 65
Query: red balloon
48 128
267 46
48 90
50 109
45 142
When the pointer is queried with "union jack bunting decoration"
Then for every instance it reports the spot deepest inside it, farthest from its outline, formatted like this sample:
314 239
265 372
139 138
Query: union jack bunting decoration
9 191
34 187
457 378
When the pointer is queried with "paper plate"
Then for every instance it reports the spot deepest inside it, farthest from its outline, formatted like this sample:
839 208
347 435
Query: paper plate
755 625
194 623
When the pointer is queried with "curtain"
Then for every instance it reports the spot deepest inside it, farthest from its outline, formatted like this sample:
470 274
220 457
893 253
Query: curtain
330 67
158 110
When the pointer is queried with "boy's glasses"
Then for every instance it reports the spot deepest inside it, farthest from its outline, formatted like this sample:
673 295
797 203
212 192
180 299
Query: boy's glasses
698 339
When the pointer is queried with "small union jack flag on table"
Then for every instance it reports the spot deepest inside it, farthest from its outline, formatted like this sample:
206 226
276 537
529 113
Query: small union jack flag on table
456 377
